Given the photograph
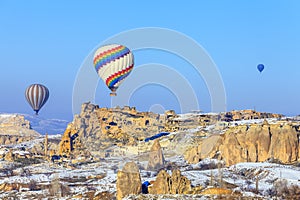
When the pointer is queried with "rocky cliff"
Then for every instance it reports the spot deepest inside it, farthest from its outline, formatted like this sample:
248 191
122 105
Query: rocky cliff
170 184
15 129
128 180
97 128
156 157
251 143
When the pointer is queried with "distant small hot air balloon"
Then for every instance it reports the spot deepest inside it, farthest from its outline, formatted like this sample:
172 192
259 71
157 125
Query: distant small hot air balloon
37 95
260 67
113 64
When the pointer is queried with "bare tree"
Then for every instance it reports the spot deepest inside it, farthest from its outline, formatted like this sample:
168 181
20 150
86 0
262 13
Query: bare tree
256 185
57 189
211 178
54 189
32 185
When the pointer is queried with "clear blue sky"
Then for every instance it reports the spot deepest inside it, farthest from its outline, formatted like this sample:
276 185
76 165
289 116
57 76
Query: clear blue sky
46 42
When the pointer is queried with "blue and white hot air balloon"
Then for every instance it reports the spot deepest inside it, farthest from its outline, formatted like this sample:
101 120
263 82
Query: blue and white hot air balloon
260 67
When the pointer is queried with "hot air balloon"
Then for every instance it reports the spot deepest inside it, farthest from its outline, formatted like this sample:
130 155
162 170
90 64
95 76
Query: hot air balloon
260 67
113 64
37 95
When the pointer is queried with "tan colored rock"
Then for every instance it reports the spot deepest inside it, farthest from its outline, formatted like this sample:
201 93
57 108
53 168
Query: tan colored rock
174 184
104 196
192 155
156 158
237 115
231 147
15 129
217 191
46 145
284 145
162 184
6 187
206 149
9 156
128 180
100 128
180 184
12 120
250 143
66 144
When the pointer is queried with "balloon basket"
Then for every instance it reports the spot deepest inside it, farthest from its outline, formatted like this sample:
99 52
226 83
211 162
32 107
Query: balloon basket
113 94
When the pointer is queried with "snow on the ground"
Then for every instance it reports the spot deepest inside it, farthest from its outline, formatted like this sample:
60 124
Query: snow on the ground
254 121
2 115
240 174
83 176
186 116
290 173
27 144
194 130
5 117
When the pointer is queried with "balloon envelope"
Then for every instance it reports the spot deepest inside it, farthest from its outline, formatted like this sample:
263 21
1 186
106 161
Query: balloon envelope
37 95
260 67
113 64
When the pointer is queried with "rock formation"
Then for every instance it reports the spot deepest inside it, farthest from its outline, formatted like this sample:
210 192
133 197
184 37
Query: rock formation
9 156
15 129
156 158
11 120
67 142
46 145
97 128
128 180
175 122
97 131
250 143
39 147
237 115
170 184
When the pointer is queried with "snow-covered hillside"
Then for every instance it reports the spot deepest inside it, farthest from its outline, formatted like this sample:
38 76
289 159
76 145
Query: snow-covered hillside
43 126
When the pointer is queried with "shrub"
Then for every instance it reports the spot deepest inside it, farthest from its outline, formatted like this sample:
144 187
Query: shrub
281 187
28 161
32 185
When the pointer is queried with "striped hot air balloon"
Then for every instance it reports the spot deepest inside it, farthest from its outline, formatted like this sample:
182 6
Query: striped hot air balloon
113 64
37 95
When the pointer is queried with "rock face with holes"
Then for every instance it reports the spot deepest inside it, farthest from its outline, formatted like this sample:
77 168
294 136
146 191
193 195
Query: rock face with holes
156 157
15 129
96 129
170 184
128 180
251 143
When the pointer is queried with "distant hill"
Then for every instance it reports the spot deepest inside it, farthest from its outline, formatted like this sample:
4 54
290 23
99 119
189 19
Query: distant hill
43 126
37 123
